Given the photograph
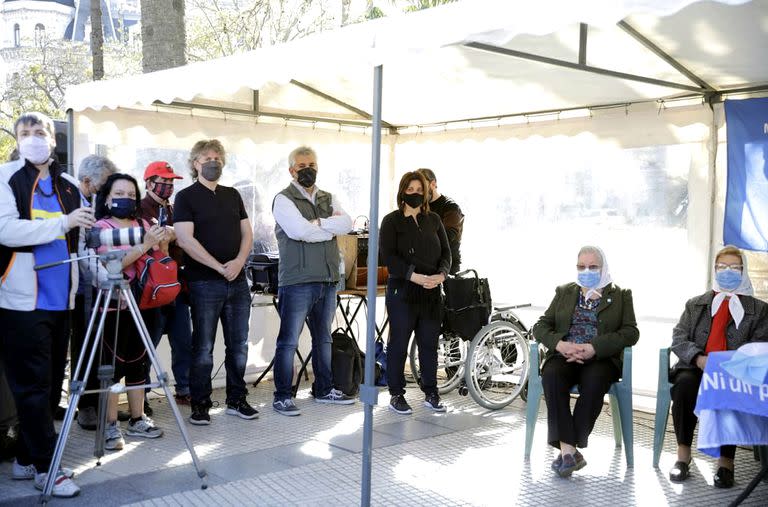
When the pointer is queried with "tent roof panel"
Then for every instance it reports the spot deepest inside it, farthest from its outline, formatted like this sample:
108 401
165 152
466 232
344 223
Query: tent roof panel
431 77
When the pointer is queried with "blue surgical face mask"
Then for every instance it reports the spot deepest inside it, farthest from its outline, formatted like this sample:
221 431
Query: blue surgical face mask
588 279
728 279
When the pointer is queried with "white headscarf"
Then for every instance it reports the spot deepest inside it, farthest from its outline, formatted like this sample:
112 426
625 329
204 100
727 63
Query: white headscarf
605 274
744 288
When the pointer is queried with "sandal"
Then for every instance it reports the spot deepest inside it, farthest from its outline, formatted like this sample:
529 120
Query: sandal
680 471
724 478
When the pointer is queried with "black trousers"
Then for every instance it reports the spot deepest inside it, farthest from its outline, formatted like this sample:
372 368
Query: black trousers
79 327
684 392
7 405
558 377
34 347
405 319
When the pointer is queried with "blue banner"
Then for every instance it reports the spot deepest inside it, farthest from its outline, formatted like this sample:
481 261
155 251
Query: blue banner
746 200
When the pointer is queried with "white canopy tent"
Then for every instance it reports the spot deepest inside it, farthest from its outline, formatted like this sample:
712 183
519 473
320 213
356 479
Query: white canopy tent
553 124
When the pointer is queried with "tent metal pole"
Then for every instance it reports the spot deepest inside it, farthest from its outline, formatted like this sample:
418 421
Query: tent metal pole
645 41
577 66
583 30
368 392
334 100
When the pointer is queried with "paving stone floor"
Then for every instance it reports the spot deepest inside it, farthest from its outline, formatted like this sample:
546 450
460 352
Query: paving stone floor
468 456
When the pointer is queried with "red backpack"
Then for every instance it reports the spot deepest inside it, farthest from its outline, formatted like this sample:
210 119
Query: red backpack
157 280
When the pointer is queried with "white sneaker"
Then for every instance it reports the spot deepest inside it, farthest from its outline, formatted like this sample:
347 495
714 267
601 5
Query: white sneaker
28 472
144 427
113 437
63 486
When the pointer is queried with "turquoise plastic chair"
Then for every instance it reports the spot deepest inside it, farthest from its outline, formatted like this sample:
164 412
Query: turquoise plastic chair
620 396
663 402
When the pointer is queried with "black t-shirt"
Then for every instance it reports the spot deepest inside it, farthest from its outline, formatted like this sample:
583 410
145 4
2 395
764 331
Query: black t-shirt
216 217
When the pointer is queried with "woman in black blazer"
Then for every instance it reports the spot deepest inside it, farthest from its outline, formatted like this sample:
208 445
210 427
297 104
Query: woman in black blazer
585 330
415 249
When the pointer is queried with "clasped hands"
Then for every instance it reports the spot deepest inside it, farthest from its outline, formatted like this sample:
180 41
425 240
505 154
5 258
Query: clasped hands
428 281
575 352
231 269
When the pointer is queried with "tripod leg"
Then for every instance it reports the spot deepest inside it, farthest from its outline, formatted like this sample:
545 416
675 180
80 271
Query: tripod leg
163 379
78 386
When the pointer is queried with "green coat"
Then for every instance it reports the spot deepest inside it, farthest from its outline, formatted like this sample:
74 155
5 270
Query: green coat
616 324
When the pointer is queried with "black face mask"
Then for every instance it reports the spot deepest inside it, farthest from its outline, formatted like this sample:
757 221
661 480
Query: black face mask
211 170
306 176
413 200
122 207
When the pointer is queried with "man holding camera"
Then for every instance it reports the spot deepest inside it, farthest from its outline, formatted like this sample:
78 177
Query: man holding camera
91 175
173 319
40 212
307 221
213 229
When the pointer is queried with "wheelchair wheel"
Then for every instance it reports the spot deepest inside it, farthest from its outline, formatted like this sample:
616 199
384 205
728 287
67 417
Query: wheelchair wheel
451 354
496 369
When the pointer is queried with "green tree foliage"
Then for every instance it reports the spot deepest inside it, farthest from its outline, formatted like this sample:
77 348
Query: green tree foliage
38 77
219 28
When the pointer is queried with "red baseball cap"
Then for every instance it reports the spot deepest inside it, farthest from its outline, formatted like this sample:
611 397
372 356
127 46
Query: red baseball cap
162 169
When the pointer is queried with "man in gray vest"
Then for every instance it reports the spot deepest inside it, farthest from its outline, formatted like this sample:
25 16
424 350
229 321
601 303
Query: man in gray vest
307 221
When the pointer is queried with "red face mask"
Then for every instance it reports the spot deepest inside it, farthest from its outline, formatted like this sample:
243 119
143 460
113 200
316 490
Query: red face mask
163 190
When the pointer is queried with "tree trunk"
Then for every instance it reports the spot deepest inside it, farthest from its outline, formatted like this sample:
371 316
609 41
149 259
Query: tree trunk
163 36
97 40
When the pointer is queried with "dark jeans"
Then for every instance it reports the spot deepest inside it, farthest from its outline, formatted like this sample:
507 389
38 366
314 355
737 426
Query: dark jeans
314 303
34 347
79 327
558 376
405 319
684 391
174 320
211 301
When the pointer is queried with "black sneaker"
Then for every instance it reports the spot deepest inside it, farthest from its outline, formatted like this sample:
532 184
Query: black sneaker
432 401
398 404
242 409
200 416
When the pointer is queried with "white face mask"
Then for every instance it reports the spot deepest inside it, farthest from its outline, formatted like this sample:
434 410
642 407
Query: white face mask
35 149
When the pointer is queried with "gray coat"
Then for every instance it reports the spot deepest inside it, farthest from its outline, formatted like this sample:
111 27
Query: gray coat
689 337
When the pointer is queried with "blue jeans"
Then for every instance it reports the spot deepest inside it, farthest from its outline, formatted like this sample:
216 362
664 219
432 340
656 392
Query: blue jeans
315 303
212 300
174 320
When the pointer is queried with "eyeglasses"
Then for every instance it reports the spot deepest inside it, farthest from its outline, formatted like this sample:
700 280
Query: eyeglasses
591 267
733 267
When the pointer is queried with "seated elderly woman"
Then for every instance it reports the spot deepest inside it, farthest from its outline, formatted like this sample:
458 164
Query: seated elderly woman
721 319
585 330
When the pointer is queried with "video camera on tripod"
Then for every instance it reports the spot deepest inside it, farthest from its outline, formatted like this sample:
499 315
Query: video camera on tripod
115 286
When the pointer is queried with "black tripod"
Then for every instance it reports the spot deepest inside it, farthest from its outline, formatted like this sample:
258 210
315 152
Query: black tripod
114 285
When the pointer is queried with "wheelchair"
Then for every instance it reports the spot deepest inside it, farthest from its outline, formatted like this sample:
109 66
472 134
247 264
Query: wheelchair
492 366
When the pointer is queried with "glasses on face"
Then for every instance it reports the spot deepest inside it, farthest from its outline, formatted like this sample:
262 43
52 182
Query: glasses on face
721 266
591 267
203 160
